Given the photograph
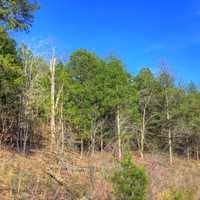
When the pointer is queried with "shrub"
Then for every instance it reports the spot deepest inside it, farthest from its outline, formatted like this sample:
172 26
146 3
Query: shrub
129 181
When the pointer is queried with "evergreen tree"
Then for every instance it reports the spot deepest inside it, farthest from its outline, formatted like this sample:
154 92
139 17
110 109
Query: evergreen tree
17 15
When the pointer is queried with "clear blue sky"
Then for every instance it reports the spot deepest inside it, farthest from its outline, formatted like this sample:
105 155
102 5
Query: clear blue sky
140 32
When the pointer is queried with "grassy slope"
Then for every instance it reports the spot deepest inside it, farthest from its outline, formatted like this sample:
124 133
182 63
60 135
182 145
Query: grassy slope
46 176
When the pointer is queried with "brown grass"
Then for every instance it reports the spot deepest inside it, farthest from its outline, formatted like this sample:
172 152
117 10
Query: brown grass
44 175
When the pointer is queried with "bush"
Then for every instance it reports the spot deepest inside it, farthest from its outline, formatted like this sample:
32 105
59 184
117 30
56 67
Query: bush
129 182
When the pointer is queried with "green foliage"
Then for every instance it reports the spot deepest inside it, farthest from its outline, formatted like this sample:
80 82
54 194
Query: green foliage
117 83
17 15
130 182
11 78
98 87
85 93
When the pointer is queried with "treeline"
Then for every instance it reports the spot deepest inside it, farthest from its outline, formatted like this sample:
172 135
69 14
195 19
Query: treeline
92 103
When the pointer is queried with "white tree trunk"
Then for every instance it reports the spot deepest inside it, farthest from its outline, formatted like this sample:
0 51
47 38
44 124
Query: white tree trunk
53 129
119 134
169 132
170 147
62 129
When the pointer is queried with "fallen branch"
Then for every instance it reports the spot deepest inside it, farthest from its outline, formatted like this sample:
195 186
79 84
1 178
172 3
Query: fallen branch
62 183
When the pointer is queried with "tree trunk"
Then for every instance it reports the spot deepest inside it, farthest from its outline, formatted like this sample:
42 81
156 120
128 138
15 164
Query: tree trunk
188 153
101 143
53 129
119 134
169 132
93 135
81 147
170 147
25 138
62 129
93 146
101 139
197 152
142 134
142 144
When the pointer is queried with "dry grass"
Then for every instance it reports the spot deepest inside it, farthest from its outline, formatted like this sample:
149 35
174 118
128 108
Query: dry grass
165 180
42 176
183 176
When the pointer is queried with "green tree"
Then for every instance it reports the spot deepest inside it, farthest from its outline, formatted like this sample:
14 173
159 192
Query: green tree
190 114
117 95
146 86
86 97
10 68
129 181
11 82
170 100
17 14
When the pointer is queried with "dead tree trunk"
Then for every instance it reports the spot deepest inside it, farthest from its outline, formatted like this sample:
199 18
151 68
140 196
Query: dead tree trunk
53 129
62 128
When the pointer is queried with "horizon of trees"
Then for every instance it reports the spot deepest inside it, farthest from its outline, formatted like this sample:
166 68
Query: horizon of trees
89 102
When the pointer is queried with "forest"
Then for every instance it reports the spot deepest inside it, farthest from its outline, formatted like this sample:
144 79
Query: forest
91 106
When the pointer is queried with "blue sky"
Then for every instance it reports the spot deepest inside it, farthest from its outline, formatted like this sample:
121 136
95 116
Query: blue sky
140 32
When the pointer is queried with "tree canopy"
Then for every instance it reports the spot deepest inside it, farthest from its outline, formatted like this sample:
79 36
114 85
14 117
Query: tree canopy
17 14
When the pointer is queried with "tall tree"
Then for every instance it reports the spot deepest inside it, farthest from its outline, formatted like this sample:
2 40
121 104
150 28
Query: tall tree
11 82
117 93
86 70
190 114
147 88
53 125
171 100
33 96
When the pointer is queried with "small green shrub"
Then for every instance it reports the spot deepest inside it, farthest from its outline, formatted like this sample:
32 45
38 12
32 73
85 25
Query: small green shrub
129 182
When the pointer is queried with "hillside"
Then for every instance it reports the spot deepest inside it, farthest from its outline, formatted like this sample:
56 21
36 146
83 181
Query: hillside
42 175
99 100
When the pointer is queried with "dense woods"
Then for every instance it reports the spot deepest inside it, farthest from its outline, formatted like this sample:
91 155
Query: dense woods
90 103
93 103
